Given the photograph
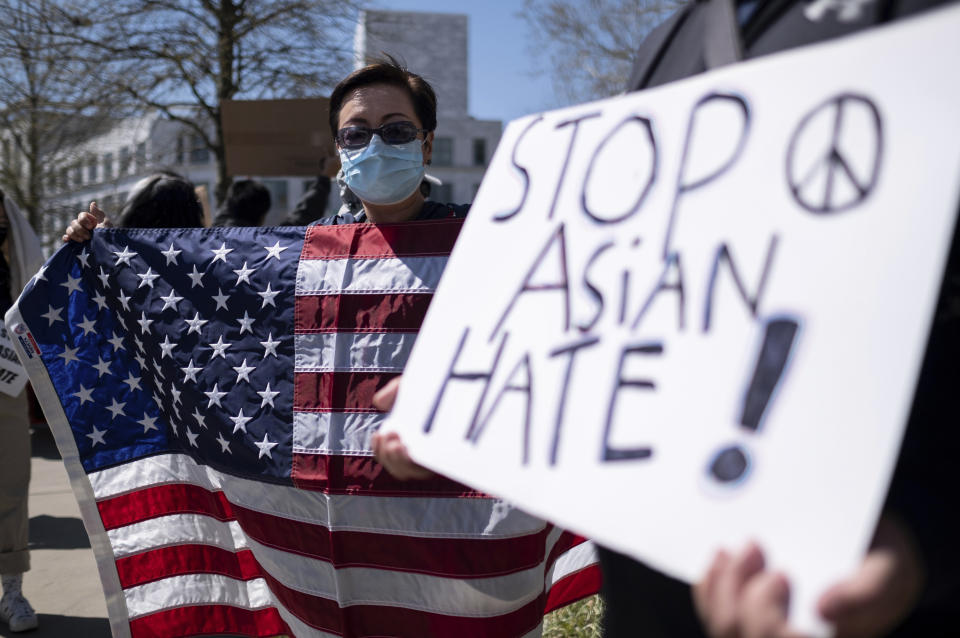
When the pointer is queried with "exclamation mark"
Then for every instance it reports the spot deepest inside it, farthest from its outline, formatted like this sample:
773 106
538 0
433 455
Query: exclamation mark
733 462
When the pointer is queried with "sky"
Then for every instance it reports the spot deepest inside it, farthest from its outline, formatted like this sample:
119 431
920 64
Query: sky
504 82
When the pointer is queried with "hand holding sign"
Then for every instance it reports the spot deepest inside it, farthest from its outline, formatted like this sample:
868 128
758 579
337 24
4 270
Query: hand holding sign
731 344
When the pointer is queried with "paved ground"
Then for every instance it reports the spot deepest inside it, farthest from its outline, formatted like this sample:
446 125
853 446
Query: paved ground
63 584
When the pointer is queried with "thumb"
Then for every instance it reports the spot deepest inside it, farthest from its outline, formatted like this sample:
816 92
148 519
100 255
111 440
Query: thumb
96 212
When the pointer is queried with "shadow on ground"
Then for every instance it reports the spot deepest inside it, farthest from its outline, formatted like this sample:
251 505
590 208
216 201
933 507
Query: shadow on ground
43 444
55 532
53 626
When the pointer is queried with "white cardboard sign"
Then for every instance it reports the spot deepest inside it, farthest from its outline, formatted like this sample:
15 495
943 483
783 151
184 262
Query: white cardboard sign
685 318
13 377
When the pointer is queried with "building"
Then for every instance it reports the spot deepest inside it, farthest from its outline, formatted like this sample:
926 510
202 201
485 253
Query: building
105 167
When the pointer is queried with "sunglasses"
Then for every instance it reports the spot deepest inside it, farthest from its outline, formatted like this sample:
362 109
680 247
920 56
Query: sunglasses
352 138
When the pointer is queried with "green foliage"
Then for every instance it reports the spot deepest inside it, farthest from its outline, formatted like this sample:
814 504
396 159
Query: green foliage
579 620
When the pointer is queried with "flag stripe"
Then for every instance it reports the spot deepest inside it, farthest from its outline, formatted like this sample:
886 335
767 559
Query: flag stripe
364 276
382 240
385 312
574 587
426 516
335 432
203 620
341 474
352 352
194 589
341 391
157 564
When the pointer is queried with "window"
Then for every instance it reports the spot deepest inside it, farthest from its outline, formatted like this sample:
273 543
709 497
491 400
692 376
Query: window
77 175
126 160
141 156
181 152
107 166
64 178
199 153
443 151
91 169
479 151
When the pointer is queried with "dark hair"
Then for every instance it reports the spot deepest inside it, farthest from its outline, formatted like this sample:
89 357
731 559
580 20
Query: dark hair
246 204
162 200
387 71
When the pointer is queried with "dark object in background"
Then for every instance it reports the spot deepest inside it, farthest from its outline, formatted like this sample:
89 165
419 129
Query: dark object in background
162 200
247 204
312 205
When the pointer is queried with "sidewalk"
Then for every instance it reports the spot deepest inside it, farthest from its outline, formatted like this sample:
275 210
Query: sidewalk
63 584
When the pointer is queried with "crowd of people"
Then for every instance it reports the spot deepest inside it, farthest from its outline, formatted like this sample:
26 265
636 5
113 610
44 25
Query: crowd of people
383 119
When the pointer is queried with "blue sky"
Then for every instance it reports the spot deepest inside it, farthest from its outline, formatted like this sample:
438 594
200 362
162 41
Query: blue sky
504 83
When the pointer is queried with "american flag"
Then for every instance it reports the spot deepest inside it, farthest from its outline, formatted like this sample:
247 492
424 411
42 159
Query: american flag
216 430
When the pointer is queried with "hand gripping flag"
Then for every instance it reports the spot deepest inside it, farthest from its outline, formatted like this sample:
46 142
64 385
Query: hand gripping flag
209 390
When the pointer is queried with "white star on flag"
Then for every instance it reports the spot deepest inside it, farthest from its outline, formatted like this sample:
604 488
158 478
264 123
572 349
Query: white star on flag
195 277
221 253
224 444
85 394
100 300
148 423
144 324
221 299
146 278
103 278
267 395
219 348
269 346
72 284
246 323
103 367
199 417
83 258
243 273
268 296
97 436
133 382
215 395
192 436
53 315
124 300
167 347
265 446
275 250
243 371
116 341
124 256
116 407
69 355
240 422
170 301
190 372
88 325
195 324
171 254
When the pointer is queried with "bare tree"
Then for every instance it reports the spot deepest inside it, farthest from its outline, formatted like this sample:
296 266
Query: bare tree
183 58
589 45
47 103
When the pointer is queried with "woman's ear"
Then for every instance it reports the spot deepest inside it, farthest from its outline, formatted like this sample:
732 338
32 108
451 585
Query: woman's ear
427 148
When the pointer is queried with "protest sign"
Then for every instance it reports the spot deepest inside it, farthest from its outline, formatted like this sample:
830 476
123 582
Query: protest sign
685 318
12 375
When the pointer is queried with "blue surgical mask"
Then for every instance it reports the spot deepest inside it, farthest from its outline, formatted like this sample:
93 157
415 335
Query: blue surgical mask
382 173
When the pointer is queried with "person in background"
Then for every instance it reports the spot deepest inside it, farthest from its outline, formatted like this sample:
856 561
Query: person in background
162 200
25 258
247 204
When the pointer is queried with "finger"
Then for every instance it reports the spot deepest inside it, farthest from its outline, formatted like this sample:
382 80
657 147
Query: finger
704 591
96 212
387 395
76 232
87 220
393 455
730 583
763 606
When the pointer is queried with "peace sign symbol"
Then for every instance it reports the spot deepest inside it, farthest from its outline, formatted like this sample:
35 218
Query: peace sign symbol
833 160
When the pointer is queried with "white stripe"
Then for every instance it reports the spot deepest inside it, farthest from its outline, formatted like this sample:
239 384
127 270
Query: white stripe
387 275
301 629
346 433
472 597
572 561
176 529
353 351
425 517
197 589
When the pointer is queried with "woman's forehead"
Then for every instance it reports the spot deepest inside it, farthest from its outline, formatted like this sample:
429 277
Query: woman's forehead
375 102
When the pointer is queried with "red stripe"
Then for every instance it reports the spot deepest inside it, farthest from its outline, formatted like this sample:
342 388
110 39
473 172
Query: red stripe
447 557
574 587
375 241
165 562
206 620
361 313
450 557
339 391
336 474
382 620
160 501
